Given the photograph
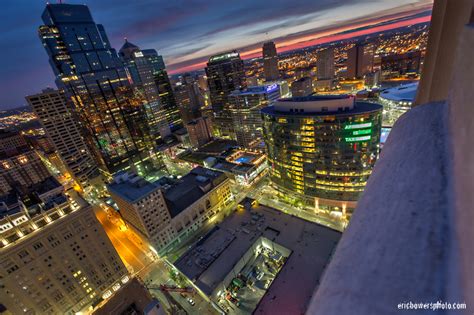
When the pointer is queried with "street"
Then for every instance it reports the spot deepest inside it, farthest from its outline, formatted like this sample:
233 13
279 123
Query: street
142 262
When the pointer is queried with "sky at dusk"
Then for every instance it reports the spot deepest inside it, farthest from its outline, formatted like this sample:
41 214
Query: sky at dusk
187 32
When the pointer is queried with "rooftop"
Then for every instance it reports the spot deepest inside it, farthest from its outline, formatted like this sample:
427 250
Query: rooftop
259 89
404 92
188 189
211 259
358 108
39 197
224 57
131 187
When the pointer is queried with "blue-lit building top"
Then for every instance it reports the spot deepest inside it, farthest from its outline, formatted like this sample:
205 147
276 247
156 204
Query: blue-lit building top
245 109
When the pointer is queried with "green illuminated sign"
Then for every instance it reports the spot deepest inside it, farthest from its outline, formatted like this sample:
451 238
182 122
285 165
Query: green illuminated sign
358 126
358 139
358 132
223 56
362 132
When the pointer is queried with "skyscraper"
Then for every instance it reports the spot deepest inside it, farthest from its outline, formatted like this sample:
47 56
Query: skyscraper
246 117
165 90
93 76
225 73
148 73
270 61
187 98
360 60
60 124
325 64
322 148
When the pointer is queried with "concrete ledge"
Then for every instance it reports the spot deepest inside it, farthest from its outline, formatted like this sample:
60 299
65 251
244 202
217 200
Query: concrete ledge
398 244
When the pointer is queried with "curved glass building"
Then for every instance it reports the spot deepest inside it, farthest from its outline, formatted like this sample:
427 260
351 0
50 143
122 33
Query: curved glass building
322 149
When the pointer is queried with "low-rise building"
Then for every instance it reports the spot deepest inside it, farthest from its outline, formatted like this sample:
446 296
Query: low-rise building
168 210
262 258
132 298
396 101
302 87
242 165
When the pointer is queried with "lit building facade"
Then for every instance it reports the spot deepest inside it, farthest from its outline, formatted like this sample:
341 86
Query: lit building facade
325 64
322 148
59 261
270 61
360 60
93 76
400 64
302 87
165 90
142 66
225 74
20 167
167 211
60 124
187 98
245 109
396 101
199 131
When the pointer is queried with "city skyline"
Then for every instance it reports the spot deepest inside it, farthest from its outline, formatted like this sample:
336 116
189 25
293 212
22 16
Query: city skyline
183 50
203 157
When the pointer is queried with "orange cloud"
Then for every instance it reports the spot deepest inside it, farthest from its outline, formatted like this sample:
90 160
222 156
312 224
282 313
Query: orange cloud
320 37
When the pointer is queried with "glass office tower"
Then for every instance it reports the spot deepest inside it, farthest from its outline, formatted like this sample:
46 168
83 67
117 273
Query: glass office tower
322 148
142 69
93 76
147 69
225 74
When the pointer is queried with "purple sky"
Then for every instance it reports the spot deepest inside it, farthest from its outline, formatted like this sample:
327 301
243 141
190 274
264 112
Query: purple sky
184 32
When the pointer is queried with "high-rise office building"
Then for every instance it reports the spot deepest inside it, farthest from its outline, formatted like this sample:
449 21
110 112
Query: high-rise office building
270 61
57 261
187 98
325 64
93 76
20 167
246 117
199 131
60 124
148 73
225 73
360 60
302 87
322 148
165 90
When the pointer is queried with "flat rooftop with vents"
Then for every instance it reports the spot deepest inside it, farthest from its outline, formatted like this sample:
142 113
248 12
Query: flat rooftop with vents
225 252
